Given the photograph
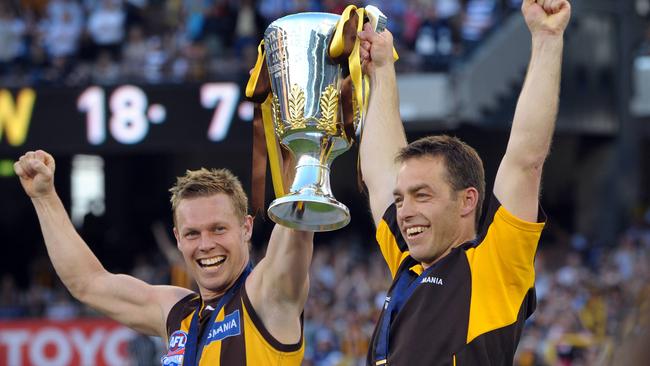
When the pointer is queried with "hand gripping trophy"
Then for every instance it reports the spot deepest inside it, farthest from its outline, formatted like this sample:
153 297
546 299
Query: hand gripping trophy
309 86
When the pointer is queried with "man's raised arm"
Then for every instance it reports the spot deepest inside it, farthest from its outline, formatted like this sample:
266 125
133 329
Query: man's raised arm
517 183
383 133
279 284
126 299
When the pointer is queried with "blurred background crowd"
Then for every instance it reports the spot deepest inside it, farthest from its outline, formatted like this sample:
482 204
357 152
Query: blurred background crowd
76 42
592 294
590 299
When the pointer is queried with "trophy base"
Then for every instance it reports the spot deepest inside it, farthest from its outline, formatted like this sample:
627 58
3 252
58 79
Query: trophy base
309 212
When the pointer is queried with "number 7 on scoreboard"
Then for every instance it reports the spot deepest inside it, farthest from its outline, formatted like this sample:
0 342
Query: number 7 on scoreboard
223 97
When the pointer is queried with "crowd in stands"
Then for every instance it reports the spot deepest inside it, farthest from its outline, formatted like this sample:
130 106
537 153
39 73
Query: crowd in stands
589 299
76 42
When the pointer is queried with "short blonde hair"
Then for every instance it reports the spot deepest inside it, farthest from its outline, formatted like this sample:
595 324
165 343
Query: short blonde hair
205 183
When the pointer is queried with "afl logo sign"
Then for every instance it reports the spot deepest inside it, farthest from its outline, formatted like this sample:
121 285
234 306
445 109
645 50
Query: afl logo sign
177 341
176 349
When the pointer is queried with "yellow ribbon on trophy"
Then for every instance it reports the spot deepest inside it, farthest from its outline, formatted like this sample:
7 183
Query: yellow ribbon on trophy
252 86
258 90
340 45
276 161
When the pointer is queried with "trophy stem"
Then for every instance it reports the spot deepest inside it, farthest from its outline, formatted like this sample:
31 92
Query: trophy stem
311 177
310 205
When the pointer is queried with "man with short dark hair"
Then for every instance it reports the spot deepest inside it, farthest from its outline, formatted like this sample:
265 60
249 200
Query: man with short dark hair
460 292
242 315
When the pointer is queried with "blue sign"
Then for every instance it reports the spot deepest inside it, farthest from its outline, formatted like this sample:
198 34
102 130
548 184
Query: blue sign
230 326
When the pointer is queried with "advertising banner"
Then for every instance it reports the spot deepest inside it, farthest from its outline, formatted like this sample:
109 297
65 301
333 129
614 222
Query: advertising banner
79 342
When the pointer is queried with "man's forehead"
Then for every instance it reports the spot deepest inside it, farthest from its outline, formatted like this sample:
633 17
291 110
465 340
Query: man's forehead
422 172
429 160
216 200
206 208
422 166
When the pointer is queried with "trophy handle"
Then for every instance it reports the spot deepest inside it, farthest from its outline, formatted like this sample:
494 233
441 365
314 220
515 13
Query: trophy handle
378 21
376 18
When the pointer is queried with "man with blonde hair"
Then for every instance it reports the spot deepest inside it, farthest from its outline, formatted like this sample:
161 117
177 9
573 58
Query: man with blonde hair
242 315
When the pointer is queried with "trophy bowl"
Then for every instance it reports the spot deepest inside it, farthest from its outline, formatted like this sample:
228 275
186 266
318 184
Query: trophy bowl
307 118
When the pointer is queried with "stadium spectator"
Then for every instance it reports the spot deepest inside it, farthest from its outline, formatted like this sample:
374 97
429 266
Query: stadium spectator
249 29
437 37
61 37
10 301
219 27
68 11
12 38
60 307
196 56
194 19
448 11
105 71
134 53
156 59
34 8
572 272
106 26
480 16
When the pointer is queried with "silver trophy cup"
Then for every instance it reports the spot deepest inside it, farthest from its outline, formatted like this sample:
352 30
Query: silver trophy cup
307 116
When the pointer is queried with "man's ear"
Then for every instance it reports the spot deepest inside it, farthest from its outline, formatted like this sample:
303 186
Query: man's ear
248 227
177 236
469 200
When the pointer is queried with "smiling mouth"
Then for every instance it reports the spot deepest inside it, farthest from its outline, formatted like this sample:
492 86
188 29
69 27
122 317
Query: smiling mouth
415 231
211 262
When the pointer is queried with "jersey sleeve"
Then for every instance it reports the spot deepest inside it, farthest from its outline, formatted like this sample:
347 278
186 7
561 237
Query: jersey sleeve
390 240
502 269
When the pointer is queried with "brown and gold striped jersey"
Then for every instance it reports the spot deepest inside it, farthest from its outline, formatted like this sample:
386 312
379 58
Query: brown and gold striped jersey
471 307
238 337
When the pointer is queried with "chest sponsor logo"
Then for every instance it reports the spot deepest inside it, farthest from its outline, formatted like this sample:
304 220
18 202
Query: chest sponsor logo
175 349
433 280
230 326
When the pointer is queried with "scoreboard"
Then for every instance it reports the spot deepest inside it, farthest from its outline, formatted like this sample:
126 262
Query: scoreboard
124 118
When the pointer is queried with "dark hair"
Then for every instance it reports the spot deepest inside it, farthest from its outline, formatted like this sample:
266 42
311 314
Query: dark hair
464 166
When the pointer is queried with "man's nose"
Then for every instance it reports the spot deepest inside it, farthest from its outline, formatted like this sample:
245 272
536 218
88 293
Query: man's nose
207 242
405 210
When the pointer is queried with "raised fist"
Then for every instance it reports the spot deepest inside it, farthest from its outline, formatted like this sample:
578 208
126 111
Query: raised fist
36 172
546 16
376 49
